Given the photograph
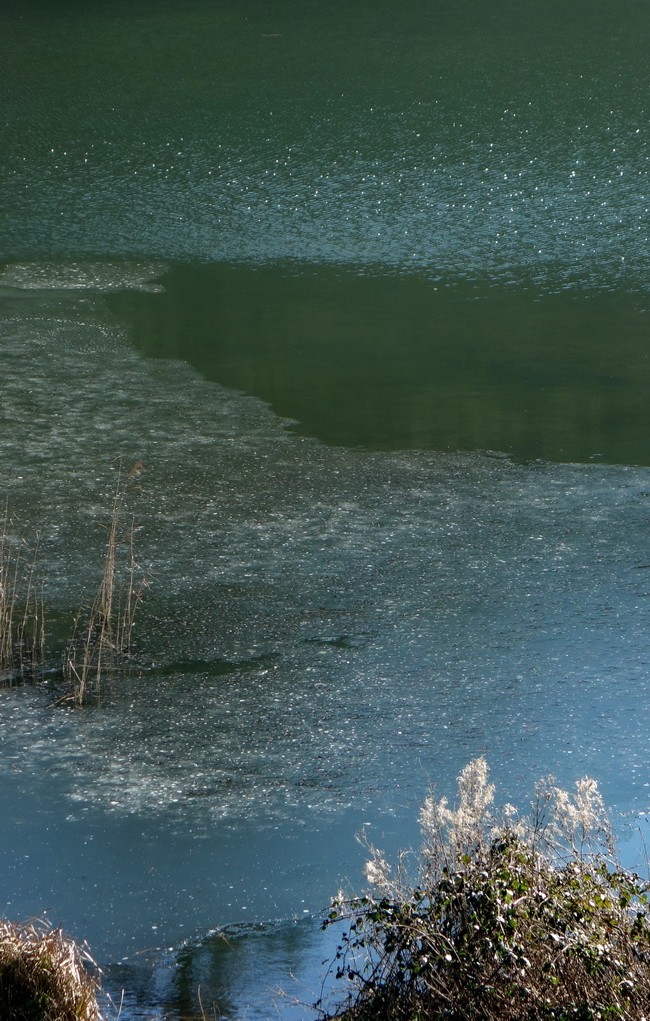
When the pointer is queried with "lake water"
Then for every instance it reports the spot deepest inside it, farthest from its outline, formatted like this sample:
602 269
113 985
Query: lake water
367 293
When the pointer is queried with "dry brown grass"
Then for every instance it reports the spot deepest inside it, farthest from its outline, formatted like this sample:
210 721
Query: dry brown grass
45 976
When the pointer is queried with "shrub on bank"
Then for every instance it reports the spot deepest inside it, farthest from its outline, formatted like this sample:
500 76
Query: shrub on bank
43 976
505 918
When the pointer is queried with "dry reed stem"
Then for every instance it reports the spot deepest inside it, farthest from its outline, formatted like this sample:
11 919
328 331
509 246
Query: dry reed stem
22 629
105 639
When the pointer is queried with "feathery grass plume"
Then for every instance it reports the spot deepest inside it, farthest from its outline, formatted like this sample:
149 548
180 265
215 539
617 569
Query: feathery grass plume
101 641
447 833
578 823
22 628
45 976
505 918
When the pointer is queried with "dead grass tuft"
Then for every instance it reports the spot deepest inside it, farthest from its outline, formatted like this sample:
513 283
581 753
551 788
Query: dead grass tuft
45 976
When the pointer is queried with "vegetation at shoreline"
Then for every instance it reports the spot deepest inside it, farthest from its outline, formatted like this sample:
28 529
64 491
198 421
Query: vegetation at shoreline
499 917
102 632
45 976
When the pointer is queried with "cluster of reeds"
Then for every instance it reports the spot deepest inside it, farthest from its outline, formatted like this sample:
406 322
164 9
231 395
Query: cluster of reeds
507 919
102 633
101 641
45 976
22 628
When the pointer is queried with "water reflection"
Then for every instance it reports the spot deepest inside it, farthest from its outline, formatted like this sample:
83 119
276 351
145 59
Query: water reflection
257 971
282 956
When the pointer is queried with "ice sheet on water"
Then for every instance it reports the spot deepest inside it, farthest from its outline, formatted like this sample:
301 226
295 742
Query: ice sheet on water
353 625
83 275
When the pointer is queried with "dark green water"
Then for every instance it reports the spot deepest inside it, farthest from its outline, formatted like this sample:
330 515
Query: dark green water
366 289
393 362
